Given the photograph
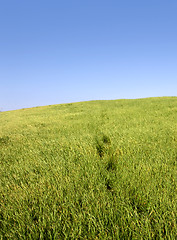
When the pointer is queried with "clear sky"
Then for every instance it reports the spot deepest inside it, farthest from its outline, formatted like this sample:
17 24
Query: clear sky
60 51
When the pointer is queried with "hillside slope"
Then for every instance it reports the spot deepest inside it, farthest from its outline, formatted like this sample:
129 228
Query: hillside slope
90 170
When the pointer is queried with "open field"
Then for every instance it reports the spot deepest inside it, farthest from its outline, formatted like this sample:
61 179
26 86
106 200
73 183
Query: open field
90 170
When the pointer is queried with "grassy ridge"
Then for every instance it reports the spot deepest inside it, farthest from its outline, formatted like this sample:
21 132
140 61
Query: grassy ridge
91 170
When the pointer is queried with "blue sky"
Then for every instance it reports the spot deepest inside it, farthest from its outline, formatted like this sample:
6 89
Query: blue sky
56 51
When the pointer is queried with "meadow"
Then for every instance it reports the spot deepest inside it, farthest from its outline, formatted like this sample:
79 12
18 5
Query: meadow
90 170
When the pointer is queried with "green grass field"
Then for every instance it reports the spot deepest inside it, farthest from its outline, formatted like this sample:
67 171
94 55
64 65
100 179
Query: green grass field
90 170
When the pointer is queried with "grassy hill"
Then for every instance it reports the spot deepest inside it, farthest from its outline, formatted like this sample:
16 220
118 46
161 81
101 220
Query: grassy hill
90 170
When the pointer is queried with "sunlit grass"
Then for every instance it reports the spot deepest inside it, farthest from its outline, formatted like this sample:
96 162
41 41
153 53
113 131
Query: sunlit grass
91 170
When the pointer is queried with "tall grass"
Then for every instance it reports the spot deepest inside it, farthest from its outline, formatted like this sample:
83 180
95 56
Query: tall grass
91 170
